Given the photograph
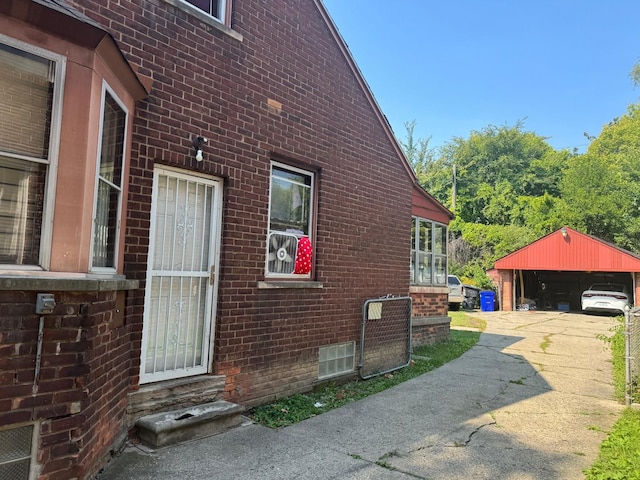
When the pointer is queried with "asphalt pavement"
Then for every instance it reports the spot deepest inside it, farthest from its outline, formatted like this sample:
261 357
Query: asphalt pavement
532 400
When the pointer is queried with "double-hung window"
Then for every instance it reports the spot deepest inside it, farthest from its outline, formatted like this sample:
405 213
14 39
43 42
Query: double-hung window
109 183
289 242
428 253
30 98
218 9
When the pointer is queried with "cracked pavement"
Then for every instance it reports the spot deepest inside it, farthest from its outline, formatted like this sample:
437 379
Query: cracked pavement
533 400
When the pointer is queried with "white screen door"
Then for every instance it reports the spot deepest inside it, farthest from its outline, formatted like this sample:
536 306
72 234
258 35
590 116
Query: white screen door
180 293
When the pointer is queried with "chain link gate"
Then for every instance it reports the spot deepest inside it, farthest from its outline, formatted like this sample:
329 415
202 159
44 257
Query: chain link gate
632 355
385 336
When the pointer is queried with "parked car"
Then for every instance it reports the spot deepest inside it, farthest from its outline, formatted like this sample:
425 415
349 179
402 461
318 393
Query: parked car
605 297
456 292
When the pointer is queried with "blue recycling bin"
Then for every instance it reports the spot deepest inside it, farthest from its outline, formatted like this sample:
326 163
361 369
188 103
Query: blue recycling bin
486 301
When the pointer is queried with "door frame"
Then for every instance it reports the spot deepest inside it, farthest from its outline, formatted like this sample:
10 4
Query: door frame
214 268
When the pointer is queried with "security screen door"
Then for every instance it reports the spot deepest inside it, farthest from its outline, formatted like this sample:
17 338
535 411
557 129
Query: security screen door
179 311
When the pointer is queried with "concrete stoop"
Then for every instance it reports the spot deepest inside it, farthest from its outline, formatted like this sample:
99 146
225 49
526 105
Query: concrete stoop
167 428
173 395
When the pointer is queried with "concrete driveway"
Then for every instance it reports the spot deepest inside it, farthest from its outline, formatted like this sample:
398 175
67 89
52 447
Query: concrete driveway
533 400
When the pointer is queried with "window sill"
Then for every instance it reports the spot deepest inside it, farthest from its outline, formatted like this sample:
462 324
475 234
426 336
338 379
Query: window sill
283 284
64 282
205 18
429 321
428 289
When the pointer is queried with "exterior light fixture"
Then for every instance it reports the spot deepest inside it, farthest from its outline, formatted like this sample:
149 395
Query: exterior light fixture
198 142
564 232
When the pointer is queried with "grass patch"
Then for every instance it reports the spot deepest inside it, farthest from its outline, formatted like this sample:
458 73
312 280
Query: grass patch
463 320
323 398
619 457
616 343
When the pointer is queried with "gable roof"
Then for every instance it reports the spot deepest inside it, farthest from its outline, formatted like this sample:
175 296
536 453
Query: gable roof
424 205
569 250
378 111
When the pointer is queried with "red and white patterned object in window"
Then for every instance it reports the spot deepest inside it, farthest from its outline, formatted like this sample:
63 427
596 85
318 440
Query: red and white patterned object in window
303 258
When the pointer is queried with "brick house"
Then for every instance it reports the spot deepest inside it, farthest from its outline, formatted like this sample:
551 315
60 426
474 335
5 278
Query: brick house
196 198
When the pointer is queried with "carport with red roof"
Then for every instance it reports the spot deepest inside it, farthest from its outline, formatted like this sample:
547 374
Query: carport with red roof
552 272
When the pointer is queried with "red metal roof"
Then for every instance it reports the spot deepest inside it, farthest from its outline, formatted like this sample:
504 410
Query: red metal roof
573 251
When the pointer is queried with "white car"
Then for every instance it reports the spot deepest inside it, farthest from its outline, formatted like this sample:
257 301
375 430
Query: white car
605 297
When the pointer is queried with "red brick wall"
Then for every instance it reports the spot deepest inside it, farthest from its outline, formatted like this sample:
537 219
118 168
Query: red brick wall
84 375
430 304
430 323
430 333
208 83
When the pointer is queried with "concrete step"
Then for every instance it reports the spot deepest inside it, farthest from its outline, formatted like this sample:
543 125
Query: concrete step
161 429
173 394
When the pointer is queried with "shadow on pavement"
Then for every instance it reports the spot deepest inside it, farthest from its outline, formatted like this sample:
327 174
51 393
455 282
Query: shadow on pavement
441 425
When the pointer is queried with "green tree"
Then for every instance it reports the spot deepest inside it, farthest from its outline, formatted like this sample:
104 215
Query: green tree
507 192
496 166
416 150
602 188
541 214
635 74
432 174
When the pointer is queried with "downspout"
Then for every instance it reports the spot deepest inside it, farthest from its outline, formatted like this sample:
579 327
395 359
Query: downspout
45 303
36 375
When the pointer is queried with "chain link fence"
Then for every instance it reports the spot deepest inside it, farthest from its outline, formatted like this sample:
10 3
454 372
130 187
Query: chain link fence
385 335
632 355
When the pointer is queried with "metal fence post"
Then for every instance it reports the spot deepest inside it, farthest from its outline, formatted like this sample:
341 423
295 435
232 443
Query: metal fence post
627 356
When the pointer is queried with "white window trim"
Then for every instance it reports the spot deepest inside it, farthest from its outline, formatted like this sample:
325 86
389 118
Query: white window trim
107 89
432 253
46 234
298 276
224 24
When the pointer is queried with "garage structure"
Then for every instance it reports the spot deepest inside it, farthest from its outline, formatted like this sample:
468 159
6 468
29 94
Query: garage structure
552 272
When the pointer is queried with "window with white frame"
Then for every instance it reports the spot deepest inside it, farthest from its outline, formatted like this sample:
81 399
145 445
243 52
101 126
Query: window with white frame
216 8
30 94
428 252
289 242
109 183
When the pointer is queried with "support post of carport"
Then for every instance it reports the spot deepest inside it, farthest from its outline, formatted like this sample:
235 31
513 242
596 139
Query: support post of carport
505 289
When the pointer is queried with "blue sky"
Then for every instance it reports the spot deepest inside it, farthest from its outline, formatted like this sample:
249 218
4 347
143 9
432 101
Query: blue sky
453 66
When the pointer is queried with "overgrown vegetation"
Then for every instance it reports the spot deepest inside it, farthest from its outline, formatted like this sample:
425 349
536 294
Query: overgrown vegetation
616 345
295 408
619 457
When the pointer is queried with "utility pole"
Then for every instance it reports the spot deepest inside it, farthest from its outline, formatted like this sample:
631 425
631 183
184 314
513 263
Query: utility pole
453 190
